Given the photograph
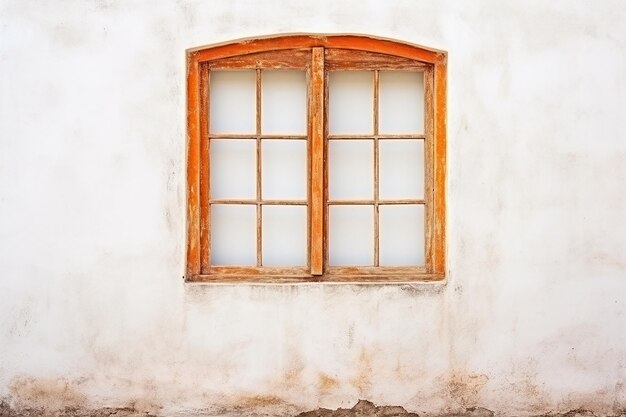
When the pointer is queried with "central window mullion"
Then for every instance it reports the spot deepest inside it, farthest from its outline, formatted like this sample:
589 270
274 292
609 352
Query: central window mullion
316 173
376 173
259 207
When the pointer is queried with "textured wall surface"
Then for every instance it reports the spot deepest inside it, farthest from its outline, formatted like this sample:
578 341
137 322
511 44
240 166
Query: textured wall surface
93 309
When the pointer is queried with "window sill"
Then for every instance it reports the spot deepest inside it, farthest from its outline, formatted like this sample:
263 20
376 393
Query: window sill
316 279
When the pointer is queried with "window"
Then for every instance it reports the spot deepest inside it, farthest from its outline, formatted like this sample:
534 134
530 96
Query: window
316 158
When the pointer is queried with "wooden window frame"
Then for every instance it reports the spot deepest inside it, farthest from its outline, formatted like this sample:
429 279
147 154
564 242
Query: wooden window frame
318 54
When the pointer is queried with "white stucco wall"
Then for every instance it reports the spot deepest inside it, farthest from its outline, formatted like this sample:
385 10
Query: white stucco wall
93 309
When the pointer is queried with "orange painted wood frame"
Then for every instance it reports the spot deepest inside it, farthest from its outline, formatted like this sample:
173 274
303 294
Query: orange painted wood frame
317 54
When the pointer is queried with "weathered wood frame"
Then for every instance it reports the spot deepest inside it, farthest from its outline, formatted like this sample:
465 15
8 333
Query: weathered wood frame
318 54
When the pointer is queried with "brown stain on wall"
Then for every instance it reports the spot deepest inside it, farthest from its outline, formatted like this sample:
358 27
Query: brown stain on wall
327 386
45 393
326 382
8 411
291 376
143 405
524 380
260 401
619 398
535 397
362 409
293 370
60 397
362 379
593 400
248 405
464 388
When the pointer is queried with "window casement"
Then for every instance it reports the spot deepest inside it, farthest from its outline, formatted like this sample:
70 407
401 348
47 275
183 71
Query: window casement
316 158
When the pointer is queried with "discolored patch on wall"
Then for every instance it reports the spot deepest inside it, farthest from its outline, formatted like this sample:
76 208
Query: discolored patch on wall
293 370
619 399
257 401
326 383
594 400
146 406
531 395
7 411
248 405
464 388
362 380
45 393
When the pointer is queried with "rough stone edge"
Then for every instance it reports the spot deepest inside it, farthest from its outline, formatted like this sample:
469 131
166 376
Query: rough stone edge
362 408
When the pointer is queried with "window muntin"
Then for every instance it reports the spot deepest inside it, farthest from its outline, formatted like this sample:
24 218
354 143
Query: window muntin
397 161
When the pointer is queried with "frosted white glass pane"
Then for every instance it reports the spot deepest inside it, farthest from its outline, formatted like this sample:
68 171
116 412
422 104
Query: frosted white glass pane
401 235
284 169
401 104
233 168
284 235
351 169
351 235
401 168
351 102
233 102
233 234
283 102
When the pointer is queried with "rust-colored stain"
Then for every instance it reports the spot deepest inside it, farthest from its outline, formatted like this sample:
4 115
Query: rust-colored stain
362 378
292 374
257 401
464 388
326 382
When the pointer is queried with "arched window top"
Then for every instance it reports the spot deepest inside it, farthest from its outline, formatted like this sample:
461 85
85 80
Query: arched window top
354 42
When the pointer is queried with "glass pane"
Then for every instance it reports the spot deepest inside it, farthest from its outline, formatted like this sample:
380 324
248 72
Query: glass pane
401 102
233 102
401 168
351 169
233 168
401 235
284 235
233 234
283 102
351 102
351 235
284 169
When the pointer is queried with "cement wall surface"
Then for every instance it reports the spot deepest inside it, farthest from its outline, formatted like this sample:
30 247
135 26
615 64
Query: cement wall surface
93 308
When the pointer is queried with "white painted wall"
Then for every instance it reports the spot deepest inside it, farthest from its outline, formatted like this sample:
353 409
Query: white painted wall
93 309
